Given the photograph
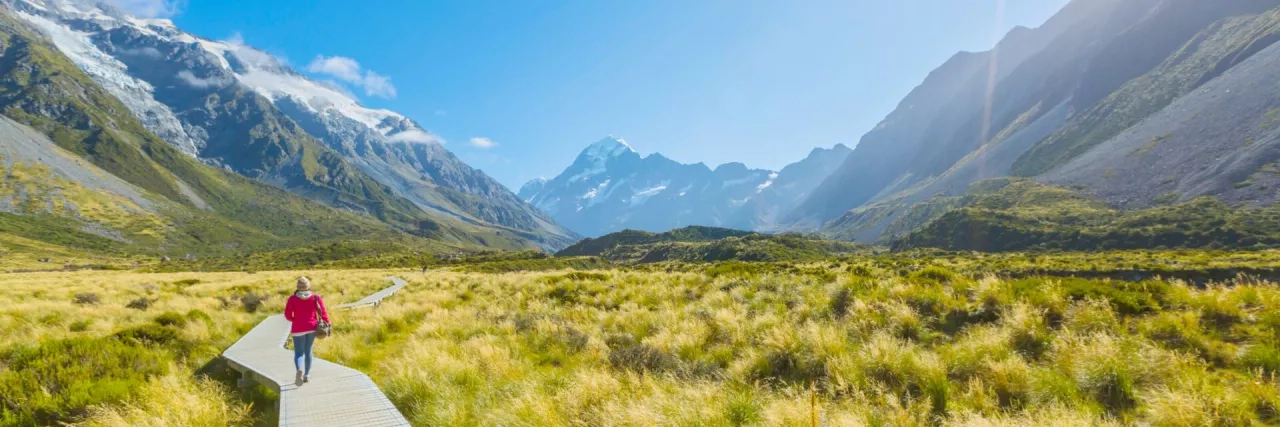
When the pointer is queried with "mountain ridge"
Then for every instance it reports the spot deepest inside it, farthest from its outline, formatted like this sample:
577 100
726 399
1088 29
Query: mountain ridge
209 97
609 186
1092 71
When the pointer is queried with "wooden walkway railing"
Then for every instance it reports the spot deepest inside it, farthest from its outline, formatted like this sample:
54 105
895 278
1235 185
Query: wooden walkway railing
335 396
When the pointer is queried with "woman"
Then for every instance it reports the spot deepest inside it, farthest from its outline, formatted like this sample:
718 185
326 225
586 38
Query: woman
304 309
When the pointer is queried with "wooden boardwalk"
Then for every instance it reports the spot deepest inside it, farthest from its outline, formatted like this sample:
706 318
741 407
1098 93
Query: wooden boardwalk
335 396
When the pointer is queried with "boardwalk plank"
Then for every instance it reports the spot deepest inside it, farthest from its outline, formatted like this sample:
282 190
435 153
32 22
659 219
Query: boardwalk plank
335 396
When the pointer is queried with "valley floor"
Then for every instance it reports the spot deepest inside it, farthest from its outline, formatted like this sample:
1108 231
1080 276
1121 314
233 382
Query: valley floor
901 339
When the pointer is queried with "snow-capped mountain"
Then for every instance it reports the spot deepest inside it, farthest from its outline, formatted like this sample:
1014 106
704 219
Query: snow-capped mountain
610 187
234 106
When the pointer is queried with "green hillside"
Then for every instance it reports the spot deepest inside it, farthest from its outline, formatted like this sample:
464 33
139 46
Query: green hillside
751 248
1025 215
600 245
707 244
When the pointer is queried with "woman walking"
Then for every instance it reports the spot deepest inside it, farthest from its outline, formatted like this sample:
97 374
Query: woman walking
305 310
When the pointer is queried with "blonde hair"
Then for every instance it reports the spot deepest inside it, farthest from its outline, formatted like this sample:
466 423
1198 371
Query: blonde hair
304 283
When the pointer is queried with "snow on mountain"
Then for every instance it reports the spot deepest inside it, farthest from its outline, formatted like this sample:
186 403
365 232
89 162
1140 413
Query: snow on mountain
109 72
168 78
610 187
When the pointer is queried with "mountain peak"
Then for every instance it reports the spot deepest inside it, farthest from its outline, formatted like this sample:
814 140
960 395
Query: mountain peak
610 146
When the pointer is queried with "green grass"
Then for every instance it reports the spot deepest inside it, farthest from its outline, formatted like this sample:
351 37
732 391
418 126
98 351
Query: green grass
59 380
918 337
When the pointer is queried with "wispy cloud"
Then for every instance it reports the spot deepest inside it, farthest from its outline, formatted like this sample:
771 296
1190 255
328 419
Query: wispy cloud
151 8
146 51
350 71
253 57
199 82
415 136
483 143
342 68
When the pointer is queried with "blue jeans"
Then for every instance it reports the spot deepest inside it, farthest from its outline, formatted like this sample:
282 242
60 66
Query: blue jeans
302 348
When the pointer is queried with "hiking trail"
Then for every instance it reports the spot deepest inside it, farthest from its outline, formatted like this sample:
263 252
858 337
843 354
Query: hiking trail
335 396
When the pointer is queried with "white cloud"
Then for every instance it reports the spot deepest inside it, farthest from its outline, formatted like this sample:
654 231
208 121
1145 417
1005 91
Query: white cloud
151 8
482 142
251 56
341 67
146 51
378 85
199 82
416 136
350 71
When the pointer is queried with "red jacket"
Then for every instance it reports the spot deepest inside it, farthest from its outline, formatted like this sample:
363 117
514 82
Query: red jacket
302 312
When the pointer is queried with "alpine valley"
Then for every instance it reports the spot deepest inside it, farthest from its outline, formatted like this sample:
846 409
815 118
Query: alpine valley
139 134
1139 105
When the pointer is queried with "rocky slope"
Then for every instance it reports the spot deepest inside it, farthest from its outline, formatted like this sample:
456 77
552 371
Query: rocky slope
234 106
609 187
82 171
1083 82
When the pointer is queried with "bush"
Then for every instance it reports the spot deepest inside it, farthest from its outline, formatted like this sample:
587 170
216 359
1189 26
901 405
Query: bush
148 335
81 325
187 282
142 303
87 298
198 315
171 319
642 358
935 274
58 381
1263 357
252 302
841 299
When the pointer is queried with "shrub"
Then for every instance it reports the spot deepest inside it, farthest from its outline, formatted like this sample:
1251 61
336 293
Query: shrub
187 282
87 298
81 325
142 303
148 335
171 319
1263 357
58 381
936 274
789 366
199 315
252 302
586 276
642 358
841 299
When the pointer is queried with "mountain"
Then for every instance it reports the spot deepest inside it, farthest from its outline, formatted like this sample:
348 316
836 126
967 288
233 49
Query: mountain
1087 100
794 183
239 108
81 172
610 187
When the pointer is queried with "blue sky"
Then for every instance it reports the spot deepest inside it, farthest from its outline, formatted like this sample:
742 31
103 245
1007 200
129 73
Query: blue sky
755 81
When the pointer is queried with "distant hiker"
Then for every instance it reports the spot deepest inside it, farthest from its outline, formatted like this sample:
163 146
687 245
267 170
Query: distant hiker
307 313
